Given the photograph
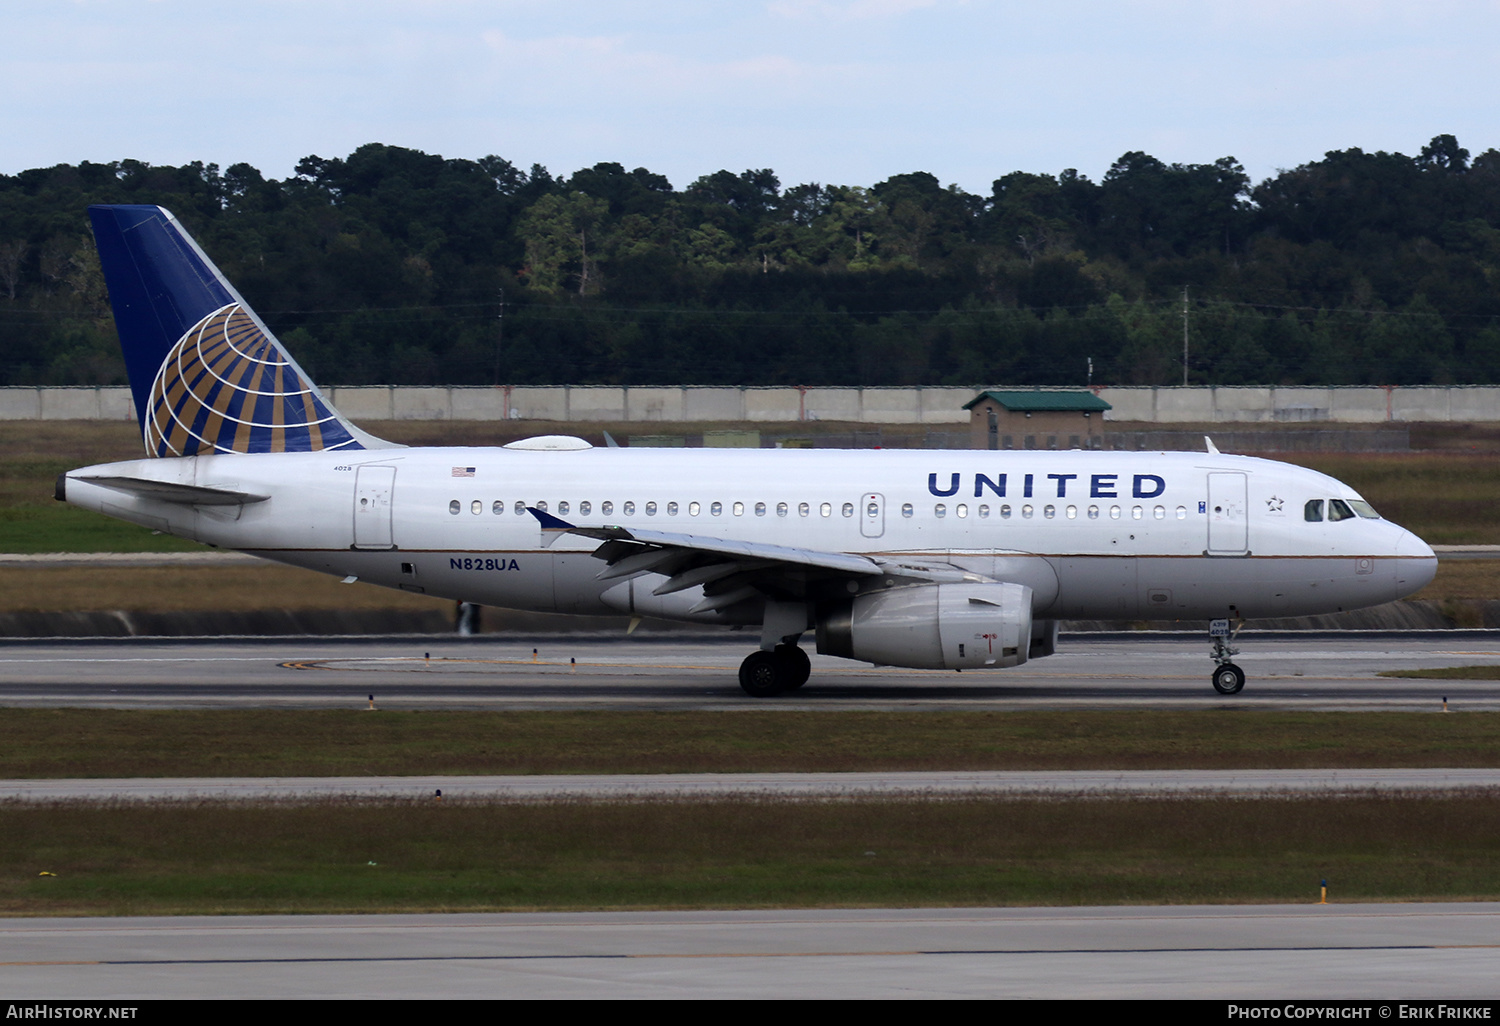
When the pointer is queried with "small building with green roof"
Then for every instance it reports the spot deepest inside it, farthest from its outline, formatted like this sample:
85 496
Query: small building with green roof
1035 419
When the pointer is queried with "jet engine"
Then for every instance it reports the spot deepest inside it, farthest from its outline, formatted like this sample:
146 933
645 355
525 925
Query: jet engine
931 626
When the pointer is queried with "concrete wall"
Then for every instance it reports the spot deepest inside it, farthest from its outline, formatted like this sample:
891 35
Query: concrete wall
931 405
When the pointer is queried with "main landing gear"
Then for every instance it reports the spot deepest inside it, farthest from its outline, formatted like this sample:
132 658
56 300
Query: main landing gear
1228 678
766 674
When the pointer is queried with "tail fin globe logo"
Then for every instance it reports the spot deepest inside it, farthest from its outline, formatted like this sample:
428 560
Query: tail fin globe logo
206 374
226 387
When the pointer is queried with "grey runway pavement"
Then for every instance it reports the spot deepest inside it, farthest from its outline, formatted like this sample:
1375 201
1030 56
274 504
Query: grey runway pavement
777 786
1324 671
1377 953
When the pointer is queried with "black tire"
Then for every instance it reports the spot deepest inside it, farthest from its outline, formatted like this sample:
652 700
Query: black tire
1228 679
763 674
798 666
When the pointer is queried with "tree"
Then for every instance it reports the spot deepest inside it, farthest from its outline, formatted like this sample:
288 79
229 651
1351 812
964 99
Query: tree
563 236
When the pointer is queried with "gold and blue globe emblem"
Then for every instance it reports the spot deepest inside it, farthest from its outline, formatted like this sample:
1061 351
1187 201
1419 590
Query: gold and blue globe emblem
227 387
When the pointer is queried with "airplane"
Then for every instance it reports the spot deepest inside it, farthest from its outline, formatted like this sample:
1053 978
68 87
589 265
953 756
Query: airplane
927 559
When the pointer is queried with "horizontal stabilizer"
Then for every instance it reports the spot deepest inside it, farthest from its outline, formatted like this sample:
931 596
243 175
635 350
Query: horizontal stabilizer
170 491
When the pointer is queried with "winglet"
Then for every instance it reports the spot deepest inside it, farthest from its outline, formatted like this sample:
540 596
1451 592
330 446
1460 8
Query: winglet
1212 448
553 527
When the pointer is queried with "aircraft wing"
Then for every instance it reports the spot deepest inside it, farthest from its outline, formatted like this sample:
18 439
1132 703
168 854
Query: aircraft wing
730 570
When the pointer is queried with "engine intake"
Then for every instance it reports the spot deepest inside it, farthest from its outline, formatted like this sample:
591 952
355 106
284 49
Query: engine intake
931 626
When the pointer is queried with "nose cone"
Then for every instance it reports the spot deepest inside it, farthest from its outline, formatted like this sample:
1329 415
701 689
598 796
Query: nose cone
1416 564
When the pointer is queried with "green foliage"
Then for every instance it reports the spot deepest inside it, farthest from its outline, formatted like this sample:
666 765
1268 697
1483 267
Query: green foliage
388 266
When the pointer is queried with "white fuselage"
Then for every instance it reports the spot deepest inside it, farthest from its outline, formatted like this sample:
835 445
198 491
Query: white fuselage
1112 535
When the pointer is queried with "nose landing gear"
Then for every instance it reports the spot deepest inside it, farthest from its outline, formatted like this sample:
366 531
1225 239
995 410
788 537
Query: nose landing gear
1228 678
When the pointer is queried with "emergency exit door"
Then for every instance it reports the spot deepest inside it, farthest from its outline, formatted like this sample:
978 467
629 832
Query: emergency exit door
872 514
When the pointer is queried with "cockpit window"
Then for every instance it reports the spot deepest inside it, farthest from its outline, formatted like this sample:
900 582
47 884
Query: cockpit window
1338 509
1313 511
1364 509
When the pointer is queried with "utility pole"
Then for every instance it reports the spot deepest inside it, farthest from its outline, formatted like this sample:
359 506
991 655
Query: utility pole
499 335
1184 335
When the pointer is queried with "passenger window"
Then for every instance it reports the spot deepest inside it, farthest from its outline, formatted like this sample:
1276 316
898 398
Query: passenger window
519 507
1072 512
1049 512
826 509
1004 512
1093 512
453 507
671 509
585 508
1338 509
497 508
848 509
907 510
803 509
760 509
781 509
962 510
629 508
542 505
984 512
1026 511
651 509
739 509
940 510
694 509
717 509
476 507
562 509
1313 511
606 507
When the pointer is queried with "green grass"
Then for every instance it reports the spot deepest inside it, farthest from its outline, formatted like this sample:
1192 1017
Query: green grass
55 527
43 743
315 857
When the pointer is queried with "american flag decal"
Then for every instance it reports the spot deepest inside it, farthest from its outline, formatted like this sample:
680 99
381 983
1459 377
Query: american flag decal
463 471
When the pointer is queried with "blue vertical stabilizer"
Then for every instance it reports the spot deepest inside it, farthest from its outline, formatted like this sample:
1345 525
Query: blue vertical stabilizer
207 376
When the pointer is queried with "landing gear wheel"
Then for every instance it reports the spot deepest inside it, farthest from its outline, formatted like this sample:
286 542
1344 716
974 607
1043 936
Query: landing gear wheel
1228 679
797 665
764 674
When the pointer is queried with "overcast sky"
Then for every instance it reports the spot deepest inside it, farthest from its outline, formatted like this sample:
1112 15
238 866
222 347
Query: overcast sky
833 91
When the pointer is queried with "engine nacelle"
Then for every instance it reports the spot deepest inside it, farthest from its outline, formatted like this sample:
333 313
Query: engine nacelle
931 626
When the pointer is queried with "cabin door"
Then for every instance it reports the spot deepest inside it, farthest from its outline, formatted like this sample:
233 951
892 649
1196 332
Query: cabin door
373 487
1228 523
